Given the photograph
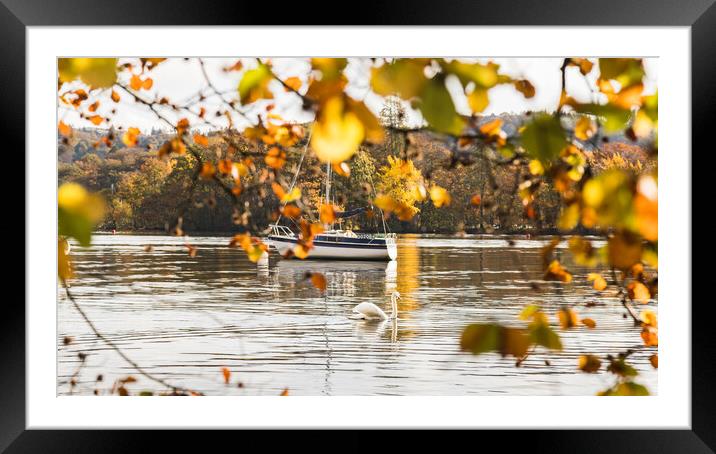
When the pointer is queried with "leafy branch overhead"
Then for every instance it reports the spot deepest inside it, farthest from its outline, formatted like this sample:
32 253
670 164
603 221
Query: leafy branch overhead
252 164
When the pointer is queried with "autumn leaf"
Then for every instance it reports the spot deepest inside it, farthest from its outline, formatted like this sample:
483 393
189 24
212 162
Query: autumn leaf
439 196
293 83
567 318
201 140
291 211
96 120
437 107
585 128
318 280
275 158
475 200
654 360
115 96
525 87
64 265
208 170
135 82
626 389
638 292
327 214
284 392
556 272
253 247
589 323
226 373
95 72
589 363
78 212
254 84
284 196
64 129
544 138
337 133
599 283
130 137
482 338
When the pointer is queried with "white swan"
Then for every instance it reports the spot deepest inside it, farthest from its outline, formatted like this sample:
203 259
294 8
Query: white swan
370 311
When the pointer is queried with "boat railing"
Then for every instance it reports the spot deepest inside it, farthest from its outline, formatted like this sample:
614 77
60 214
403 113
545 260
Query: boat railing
281 230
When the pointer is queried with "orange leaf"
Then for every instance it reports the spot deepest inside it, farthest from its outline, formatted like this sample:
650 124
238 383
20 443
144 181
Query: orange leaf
129 138
96 120
589 323
567 317
115 96
319 281
201 140
638 292
589 363
654 360
328 214
227 374
147 84
476 200
291 211
284 392
64 129
135 82
207 171
293 82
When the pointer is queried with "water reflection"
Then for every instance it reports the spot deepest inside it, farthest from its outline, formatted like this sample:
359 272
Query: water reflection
185 318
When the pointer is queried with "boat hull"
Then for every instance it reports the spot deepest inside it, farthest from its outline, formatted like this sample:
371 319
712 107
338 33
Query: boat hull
340 250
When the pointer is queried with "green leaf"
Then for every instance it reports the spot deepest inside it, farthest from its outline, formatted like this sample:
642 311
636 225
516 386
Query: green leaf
404 77
252 82
480 338
613 118
542 334
544 138
626 389
438 109
75 225
483 76
626 71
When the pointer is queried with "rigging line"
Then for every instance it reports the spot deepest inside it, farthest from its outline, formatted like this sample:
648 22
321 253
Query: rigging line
295 176
385 229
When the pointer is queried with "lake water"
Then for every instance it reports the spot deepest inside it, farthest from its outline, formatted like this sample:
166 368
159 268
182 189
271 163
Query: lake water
184 319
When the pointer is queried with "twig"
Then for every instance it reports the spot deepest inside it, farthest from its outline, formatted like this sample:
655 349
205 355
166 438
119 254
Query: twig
119 351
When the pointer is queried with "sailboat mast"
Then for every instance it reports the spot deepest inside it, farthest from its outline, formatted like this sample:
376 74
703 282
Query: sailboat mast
328 183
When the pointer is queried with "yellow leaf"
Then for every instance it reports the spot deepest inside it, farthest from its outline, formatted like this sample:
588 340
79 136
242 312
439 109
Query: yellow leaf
556 272
585 128
589 323
95 72
336 133
599 282
478 100
440 196
129 138
64 266
638 292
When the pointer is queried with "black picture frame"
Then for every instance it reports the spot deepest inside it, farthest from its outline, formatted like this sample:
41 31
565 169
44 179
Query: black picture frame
699 15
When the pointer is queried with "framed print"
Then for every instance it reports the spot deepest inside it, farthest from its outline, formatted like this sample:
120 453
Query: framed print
441 219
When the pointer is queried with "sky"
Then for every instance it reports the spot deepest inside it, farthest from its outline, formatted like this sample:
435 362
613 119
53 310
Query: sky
180 80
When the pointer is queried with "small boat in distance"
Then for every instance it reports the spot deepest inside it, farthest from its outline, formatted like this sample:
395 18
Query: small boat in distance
338 244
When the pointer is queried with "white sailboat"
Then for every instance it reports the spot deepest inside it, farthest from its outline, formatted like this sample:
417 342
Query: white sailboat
335 244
